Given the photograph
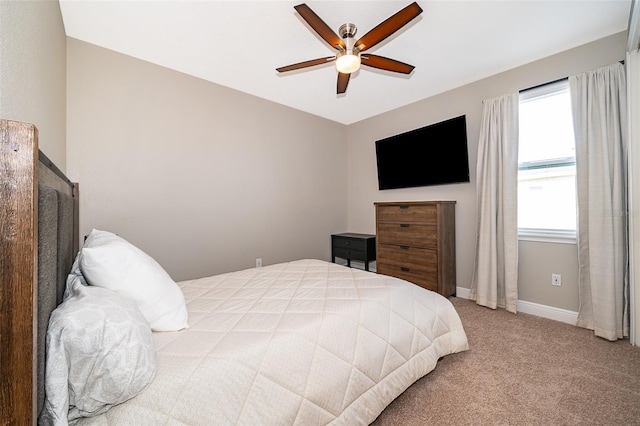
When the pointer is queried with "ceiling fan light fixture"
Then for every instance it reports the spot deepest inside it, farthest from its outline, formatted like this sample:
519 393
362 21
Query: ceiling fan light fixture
347 62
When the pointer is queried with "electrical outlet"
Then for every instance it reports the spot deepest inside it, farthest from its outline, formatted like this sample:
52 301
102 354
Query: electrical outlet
259 262
556 279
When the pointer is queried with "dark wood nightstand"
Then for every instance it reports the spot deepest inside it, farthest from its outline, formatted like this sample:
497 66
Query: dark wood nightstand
352 246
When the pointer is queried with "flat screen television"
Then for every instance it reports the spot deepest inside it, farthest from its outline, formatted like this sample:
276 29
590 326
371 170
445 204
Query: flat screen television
431 155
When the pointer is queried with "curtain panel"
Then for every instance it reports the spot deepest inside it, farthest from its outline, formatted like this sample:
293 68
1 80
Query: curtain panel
495 276
600 124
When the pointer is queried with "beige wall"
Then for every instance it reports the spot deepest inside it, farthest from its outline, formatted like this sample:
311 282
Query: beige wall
203 178
33 71
206 179
537 260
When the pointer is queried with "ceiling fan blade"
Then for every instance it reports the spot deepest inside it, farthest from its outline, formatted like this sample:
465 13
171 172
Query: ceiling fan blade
319 26
343 81
383 63
388 27
306 64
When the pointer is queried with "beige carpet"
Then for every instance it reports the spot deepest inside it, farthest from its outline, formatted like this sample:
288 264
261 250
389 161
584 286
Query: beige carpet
524 370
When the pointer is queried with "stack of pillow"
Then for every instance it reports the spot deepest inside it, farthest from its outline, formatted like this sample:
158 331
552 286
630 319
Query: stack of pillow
100 349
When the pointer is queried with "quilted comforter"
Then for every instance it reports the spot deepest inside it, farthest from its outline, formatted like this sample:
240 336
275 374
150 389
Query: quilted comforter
306 342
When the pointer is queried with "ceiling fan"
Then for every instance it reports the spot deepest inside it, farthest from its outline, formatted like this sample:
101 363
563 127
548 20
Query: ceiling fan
349 57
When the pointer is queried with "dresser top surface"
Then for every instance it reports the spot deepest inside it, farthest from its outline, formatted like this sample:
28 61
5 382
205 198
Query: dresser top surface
412 203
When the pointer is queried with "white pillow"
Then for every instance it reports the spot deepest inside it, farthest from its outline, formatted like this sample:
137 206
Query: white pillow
109 261
100 353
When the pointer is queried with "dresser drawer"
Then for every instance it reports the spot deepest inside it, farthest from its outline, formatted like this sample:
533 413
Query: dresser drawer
426 280
409 257
406 213
408 234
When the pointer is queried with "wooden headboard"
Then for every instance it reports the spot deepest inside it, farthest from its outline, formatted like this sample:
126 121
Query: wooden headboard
39 235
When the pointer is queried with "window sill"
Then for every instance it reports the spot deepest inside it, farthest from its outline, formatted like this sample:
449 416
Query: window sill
547 236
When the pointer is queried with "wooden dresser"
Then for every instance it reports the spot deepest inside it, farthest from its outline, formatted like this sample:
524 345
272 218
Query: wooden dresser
416 241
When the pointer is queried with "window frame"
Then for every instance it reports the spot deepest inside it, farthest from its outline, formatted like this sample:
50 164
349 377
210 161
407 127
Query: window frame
562 236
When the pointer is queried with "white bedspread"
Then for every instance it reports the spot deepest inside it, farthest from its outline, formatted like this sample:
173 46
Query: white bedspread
305 342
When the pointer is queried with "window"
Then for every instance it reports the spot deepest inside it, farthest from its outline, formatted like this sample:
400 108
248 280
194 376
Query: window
546 165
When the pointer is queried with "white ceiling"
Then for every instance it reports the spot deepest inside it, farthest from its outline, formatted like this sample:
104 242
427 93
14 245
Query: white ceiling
239 44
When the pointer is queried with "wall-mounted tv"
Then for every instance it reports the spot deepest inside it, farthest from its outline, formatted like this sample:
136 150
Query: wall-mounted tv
431 155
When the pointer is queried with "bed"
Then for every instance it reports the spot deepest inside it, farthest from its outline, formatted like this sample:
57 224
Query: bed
301 342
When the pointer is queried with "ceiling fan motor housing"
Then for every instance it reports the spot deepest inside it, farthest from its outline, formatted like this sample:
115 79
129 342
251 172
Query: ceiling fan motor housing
347 30
347 33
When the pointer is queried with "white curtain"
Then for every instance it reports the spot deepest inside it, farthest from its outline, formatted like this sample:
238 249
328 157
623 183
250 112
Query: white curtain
495 276
598 100
633 91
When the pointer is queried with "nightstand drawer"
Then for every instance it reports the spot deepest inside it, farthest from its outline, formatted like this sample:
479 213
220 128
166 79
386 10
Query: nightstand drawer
348 243
346 253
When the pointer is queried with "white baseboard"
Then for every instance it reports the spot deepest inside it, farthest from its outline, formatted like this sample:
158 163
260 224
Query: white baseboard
537 309
462 292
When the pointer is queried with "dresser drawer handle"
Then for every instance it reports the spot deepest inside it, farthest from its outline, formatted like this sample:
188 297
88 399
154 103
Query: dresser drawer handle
404 269
404 247
403 206
404 225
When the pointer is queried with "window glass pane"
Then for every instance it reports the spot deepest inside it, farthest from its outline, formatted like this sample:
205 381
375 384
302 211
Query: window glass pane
547 198
546 128
546 177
